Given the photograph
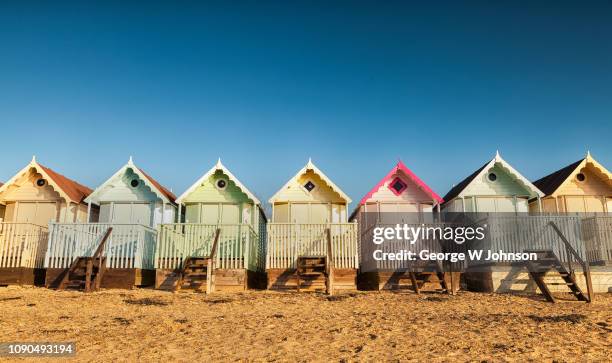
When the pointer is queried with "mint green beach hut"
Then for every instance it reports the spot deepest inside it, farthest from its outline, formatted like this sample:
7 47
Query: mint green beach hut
219 243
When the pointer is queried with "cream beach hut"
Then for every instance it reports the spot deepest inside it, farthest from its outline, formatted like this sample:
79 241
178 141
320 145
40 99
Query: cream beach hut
310 243
34 197
132 203
191 255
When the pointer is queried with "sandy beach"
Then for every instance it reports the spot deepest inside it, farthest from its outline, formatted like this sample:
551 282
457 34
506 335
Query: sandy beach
150 325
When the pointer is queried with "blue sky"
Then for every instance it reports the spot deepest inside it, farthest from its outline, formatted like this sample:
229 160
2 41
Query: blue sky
265 85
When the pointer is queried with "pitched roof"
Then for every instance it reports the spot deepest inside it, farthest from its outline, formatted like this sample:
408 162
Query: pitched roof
161 188
454 192
400 167
552 182
69 188
77 192
311 166
497 160
161 192
224 170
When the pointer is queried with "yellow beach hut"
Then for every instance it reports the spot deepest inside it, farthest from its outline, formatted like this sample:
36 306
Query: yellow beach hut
310 243
35 196
584 186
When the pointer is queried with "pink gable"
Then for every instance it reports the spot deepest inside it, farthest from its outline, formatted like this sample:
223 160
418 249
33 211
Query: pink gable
401 167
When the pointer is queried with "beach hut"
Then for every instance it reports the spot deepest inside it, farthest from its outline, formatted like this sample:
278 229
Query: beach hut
581 191
130 202
33 198
219 243
494 187
581 187
400 197
311 245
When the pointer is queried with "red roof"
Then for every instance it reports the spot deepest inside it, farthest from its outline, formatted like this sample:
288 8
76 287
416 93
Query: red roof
75 191
160 187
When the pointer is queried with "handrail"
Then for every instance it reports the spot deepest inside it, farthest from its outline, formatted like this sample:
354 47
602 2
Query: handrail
101 264
210 270
572 253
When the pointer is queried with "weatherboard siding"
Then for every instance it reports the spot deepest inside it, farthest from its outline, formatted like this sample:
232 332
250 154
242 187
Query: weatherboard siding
503 186
592 185
208 192
412 194
120 189
295 191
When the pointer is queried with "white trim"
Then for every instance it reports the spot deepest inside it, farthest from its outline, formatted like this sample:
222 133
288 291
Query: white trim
311 166
208 174
34 164
91 198
497 160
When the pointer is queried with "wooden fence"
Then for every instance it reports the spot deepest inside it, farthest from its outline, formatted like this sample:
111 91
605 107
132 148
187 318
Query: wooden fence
591 237
287 241
22 245
129 245
239 245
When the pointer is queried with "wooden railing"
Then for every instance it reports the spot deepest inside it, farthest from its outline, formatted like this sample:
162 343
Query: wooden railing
239 245
368 247
22 245
287 241
129 246
573 258
597 236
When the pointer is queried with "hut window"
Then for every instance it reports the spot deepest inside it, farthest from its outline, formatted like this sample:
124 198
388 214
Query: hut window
40 182
398 186
221 184
134 183
492 177
580 177
309 186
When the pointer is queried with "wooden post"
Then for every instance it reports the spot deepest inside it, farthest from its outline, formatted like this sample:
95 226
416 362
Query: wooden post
88 274
330 263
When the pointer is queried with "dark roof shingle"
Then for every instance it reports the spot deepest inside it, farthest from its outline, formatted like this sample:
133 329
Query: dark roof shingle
454 192
551 182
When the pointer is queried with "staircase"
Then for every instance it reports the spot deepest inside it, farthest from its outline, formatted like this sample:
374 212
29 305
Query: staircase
85 273
547 261
311 273
421 278
194 275
197 273
79 278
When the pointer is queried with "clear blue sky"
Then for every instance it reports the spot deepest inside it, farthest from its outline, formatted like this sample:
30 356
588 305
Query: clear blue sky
265 85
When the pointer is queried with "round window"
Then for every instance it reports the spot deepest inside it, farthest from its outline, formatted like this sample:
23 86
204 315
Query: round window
40 182
492 177
134 183
221 184
580 177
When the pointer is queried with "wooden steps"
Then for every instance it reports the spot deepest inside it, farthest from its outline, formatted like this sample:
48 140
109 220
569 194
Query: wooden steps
311 274
194 275
547 261
425 276
85 273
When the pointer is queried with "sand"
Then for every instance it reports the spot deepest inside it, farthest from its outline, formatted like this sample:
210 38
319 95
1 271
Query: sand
150 325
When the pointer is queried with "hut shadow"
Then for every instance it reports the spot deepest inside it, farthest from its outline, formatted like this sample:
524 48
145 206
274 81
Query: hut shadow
513 278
